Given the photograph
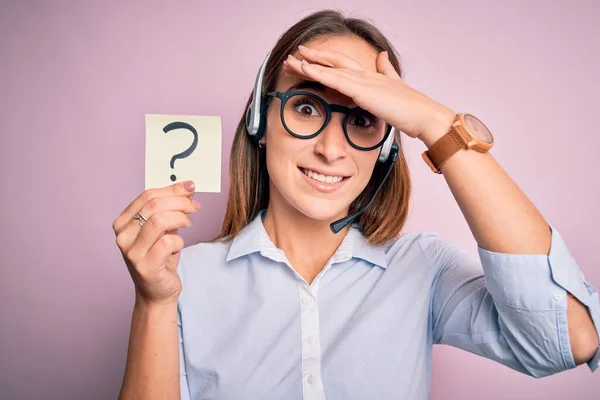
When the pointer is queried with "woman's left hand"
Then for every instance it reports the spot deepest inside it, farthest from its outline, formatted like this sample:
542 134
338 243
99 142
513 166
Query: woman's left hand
381 92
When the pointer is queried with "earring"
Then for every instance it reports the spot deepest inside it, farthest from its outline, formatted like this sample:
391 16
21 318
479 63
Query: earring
261 144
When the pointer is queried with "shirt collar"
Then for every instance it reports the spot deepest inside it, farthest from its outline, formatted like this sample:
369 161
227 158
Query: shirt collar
248 240
254 238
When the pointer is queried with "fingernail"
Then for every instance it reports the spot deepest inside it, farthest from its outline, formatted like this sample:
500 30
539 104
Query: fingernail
189 185
196 204
304 62
302 47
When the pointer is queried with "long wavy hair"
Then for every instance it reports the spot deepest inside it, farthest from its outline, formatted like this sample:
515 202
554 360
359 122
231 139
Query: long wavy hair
248 176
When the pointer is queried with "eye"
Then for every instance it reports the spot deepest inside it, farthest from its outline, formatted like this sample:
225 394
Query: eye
306 107
362 120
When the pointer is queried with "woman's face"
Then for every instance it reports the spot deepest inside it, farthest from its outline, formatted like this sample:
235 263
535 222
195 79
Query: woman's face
329 153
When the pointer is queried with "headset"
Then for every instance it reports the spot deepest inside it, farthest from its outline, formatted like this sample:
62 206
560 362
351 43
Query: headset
256 120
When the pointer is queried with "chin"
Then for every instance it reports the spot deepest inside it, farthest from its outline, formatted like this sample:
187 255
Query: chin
318 208
322 210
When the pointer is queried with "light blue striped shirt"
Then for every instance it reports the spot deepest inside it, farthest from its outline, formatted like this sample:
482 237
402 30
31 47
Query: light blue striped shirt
250 327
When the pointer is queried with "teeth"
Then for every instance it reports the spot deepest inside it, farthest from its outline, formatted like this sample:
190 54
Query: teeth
322 178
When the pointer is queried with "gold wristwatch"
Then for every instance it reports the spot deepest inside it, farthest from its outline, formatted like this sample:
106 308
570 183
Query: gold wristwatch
467 132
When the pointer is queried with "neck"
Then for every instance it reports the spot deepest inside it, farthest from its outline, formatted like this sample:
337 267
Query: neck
298 235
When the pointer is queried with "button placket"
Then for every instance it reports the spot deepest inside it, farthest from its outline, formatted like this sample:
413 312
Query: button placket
311 351
306 301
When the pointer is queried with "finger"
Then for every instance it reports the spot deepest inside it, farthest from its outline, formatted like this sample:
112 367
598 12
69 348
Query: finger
123 219
129 233
164 248
156 226
385 67
287 68
296 65
335 59
342 81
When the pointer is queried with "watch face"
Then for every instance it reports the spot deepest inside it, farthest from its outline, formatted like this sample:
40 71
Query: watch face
479 130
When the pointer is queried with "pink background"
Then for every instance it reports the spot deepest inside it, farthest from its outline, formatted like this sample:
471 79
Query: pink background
77 77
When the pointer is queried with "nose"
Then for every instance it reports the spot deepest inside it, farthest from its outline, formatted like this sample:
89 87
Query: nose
331 142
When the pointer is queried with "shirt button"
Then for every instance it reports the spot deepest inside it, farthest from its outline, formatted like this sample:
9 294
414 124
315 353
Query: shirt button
558 296
310 380
310 341
305 301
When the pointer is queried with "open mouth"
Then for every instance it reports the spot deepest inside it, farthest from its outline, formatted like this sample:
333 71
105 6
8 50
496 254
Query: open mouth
327 179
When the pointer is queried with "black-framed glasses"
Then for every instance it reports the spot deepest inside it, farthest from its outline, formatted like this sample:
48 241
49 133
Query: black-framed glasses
305 115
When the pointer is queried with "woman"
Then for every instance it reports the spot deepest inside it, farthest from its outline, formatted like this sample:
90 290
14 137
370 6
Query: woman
285 304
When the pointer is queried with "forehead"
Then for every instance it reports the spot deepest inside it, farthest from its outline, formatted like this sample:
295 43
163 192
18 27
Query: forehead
354 47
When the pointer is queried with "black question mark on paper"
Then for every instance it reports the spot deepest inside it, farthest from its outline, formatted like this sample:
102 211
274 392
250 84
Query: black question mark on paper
189 150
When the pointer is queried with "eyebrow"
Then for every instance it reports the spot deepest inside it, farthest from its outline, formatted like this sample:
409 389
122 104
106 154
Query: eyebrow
314 85
306 84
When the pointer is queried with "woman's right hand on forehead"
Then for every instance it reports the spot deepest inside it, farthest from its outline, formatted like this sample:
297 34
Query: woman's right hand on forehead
152 252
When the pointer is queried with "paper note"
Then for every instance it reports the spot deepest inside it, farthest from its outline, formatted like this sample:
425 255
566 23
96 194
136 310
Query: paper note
181 148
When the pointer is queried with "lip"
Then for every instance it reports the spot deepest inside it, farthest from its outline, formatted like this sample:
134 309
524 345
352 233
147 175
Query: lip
323 187
318 171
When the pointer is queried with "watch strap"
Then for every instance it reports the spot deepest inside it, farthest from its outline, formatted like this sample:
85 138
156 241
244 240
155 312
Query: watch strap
445 148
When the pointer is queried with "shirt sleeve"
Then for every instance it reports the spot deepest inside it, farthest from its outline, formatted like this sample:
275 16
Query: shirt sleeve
183 382
515 312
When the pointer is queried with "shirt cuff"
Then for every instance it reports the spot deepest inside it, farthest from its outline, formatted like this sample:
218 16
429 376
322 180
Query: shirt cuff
541 282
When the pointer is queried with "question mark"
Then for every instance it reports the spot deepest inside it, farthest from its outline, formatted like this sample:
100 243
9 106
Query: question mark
189 150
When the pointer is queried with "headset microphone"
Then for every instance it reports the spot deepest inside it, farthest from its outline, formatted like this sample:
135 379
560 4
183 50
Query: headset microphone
343 222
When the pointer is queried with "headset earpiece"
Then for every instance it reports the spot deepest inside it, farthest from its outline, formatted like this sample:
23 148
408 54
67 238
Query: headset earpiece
386 147
256 113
